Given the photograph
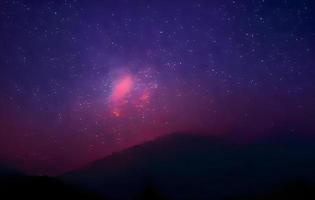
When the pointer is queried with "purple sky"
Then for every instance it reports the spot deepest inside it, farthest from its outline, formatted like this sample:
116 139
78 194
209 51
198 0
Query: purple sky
80 80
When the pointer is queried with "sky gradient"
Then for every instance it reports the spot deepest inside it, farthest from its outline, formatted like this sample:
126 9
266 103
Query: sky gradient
81 79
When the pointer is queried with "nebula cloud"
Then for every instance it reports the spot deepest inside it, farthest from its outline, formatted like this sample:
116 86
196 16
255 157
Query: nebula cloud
131 90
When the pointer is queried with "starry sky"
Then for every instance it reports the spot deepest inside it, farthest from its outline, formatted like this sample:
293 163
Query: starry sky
82 79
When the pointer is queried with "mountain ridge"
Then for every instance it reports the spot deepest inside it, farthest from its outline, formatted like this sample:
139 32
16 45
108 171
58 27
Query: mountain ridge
204 166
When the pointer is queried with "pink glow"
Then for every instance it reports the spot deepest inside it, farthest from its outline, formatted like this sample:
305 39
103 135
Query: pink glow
122 89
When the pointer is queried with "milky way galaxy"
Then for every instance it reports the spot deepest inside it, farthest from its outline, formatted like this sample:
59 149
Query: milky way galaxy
129 90
121 89
80 80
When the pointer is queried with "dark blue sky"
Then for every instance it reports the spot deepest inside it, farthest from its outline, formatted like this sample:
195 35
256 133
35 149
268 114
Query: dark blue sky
80 79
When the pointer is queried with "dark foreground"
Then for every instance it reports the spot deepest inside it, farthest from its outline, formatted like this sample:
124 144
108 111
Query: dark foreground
32 187
182 167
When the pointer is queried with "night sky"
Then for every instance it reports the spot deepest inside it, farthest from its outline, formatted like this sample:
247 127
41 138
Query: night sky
81 79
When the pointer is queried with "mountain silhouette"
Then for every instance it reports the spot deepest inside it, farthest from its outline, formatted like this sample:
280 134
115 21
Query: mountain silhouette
17 185
41 187
190 166
6 171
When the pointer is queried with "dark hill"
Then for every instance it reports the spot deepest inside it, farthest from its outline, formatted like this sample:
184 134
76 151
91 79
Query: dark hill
41 187
8 171
184 166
